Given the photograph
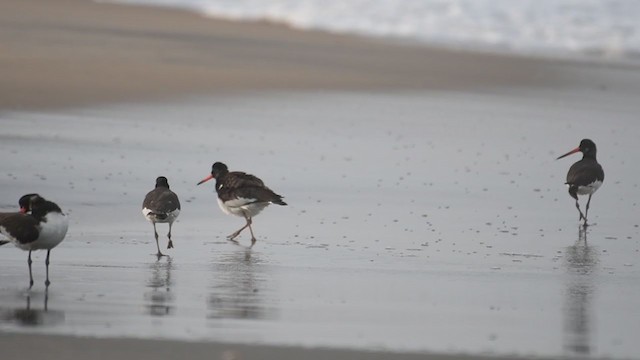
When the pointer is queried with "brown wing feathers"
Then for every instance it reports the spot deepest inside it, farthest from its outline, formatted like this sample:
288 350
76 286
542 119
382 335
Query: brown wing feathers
19 227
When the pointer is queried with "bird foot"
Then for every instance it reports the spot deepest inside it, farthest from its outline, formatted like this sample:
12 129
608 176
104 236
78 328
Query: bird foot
170 245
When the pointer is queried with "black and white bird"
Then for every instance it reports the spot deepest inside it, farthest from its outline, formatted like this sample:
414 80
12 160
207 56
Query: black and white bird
161 205
40 225
585 176
241 194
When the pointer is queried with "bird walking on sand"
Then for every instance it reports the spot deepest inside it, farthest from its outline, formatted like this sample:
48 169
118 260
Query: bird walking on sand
161 205
241 194
585 176
40 225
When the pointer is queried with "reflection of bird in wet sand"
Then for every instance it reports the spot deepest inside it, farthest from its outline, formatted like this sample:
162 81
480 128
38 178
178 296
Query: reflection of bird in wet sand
580 261
161 205
241 194
40 225
585 176
32 317
160 297
240 287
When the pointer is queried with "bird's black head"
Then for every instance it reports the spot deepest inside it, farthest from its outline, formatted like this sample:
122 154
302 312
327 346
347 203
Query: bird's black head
37 205
162 181
218 169
588 148
40 207
24 202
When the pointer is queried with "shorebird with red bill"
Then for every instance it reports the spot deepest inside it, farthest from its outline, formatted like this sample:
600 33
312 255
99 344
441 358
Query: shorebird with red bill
40 225
241 194
161 205
585 176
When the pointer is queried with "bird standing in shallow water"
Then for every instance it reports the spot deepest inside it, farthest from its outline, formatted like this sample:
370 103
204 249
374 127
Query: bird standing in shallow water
161 205
585 176
40 225
241 194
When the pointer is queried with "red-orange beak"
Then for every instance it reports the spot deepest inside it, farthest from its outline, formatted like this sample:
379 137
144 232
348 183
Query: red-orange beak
206 179
569 153
23 210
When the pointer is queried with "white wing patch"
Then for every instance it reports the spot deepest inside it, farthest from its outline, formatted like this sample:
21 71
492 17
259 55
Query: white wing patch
4 232
239 202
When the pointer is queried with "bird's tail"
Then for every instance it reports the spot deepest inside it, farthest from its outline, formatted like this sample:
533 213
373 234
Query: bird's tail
158 216
2 242
266 194
279 202
573 191
277 199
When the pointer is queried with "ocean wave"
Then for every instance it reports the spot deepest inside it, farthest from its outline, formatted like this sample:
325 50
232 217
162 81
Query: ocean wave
606 29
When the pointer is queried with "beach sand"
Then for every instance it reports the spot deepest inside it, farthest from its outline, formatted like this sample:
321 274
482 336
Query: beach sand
427 216
76 52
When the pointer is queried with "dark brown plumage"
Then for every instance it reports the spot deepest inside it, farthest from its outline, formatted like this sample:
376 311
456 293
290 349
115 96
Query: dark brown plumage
22 227
40 225
241 194
161 205
584 176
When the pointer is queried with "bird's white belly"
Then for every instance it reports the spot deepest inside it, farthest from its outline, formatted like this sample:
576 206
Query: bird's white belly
242 207
589 189
52 232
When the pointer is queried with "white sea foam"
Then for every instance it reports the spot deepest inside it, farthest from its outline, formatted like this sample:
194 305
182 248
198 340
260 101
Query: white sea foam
607 29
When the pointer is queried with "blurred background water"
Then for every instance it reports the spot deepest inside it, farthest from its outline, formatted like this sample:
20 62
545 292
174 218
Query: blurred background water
596 29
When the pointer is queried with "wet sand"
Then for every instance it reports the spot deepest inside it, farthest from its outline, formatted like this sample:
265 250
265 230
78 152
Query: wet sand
60 347
420 235
427 215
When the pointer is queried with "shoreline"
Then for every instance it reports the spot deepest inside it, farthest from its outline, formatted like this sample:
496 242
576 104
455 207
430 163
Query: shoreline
33 346
463 49
68 53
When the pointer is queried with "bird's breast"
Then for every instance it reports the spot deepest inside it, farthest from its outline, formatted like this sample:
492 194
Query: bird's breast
52 231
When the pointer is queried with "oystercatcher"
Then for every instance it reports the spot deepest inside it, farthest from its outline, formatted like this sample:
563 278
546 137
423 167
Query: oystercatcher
585 176
241 194
39 225
161 205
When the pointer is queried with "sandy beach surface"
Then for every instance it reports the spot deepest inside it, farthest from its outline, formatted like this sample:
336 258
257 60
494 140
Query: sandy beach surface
427 214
